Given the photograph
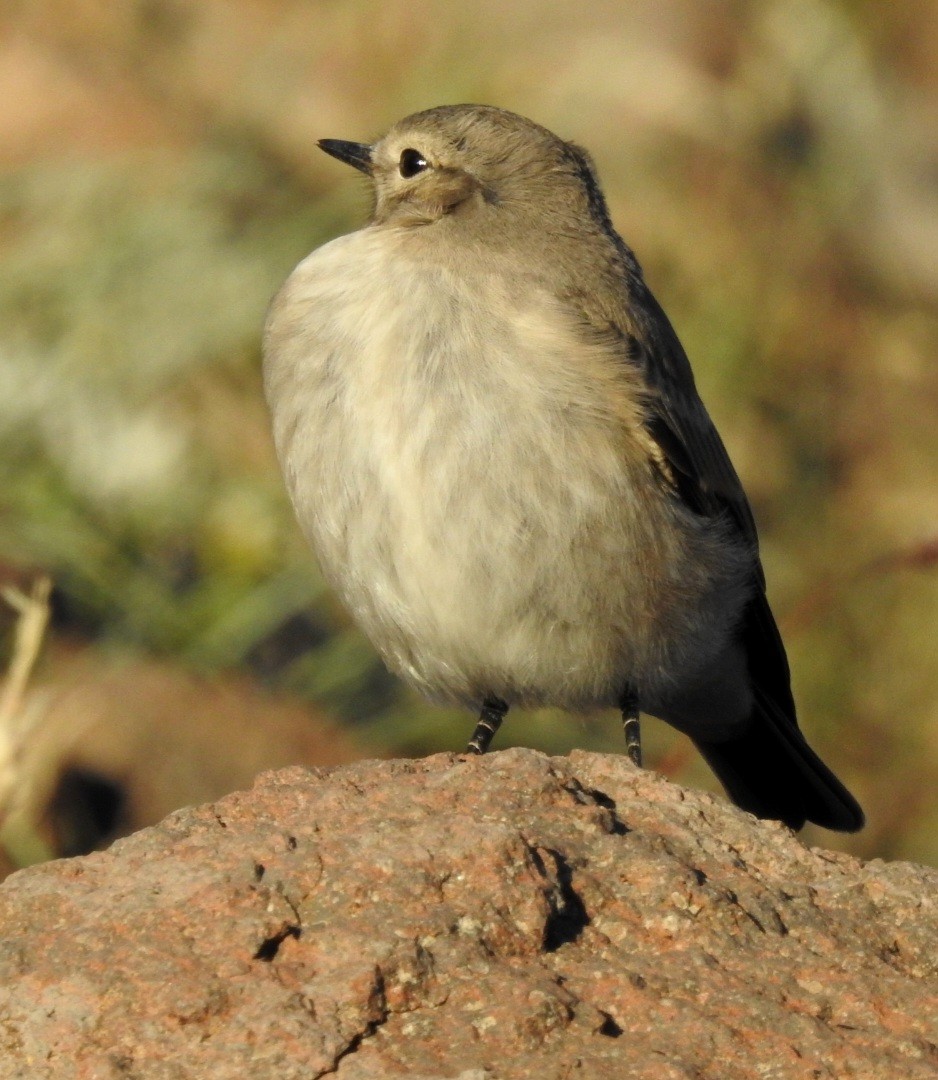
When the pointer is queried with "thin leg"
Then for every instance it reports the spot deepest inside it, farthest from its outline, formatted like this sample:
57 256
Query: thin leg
631 726
490 720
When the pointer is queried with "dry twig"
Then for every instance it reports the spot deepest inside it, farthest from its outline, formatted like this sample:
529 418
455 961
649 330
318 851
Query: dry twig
33 610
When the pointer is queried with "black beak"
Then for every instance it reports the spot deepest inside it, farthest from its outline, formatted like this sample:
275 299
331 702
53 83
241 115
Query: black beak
358 155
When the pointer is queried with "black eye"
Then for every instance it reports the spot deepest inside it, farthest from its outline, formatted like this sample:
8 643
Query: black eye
411 163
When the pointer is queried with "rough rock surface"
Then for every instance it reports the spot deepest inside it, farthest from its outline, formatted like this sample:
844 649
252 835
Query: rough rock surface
481 919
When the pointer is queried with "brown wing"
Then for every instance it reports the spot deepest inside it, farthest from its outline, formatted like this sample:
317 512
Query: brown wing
685 441
703 474
680 424
769 768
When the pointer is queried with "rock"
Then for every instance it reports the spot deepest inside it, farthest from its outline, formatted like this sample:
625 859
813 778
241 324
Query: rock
469 919
118 742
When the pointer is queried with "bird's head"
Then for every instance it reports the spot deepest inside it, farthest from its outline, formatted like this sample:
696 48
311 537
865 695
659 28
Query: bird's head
468 160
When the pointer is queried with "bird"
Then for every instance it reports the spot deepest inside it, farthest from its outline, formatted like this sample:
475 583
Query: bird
493 441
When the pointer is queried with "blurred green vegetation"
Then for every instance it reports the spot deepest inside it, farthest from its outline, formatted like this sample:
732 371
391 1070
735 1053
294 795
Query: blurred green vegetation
773 164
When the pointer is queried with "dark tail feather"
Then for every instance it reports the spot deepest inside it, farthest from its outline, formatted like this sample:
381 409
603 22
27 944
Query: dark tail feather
771 771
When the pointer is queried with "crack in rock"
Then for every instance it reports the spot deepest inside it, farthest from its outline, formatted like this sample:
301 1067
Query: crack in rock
270 946
377 1001
567 917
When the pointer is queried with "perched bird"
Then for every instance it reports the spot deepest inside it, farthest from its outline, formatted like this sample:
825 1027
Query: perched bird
493 441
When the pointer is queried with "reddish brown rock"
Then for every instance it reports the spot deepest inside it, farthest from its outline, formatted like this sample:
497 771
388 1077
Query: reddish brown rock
117 742
482 919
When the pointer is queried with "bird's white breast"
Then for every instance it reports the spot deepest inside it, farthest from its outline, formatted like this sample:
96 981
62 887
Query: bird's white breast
465 464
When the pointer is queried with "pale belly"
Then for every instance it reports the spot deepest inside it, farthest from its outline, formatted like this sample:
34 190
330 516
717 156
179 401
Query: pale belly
480 502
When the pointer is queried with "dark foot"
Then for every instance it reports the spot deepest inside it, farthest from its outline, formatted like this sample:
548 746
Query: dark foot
631 727
490 720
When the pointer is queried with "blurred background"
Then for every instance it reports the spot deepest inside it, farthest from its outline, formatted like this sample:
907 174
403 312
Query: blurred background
164 633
